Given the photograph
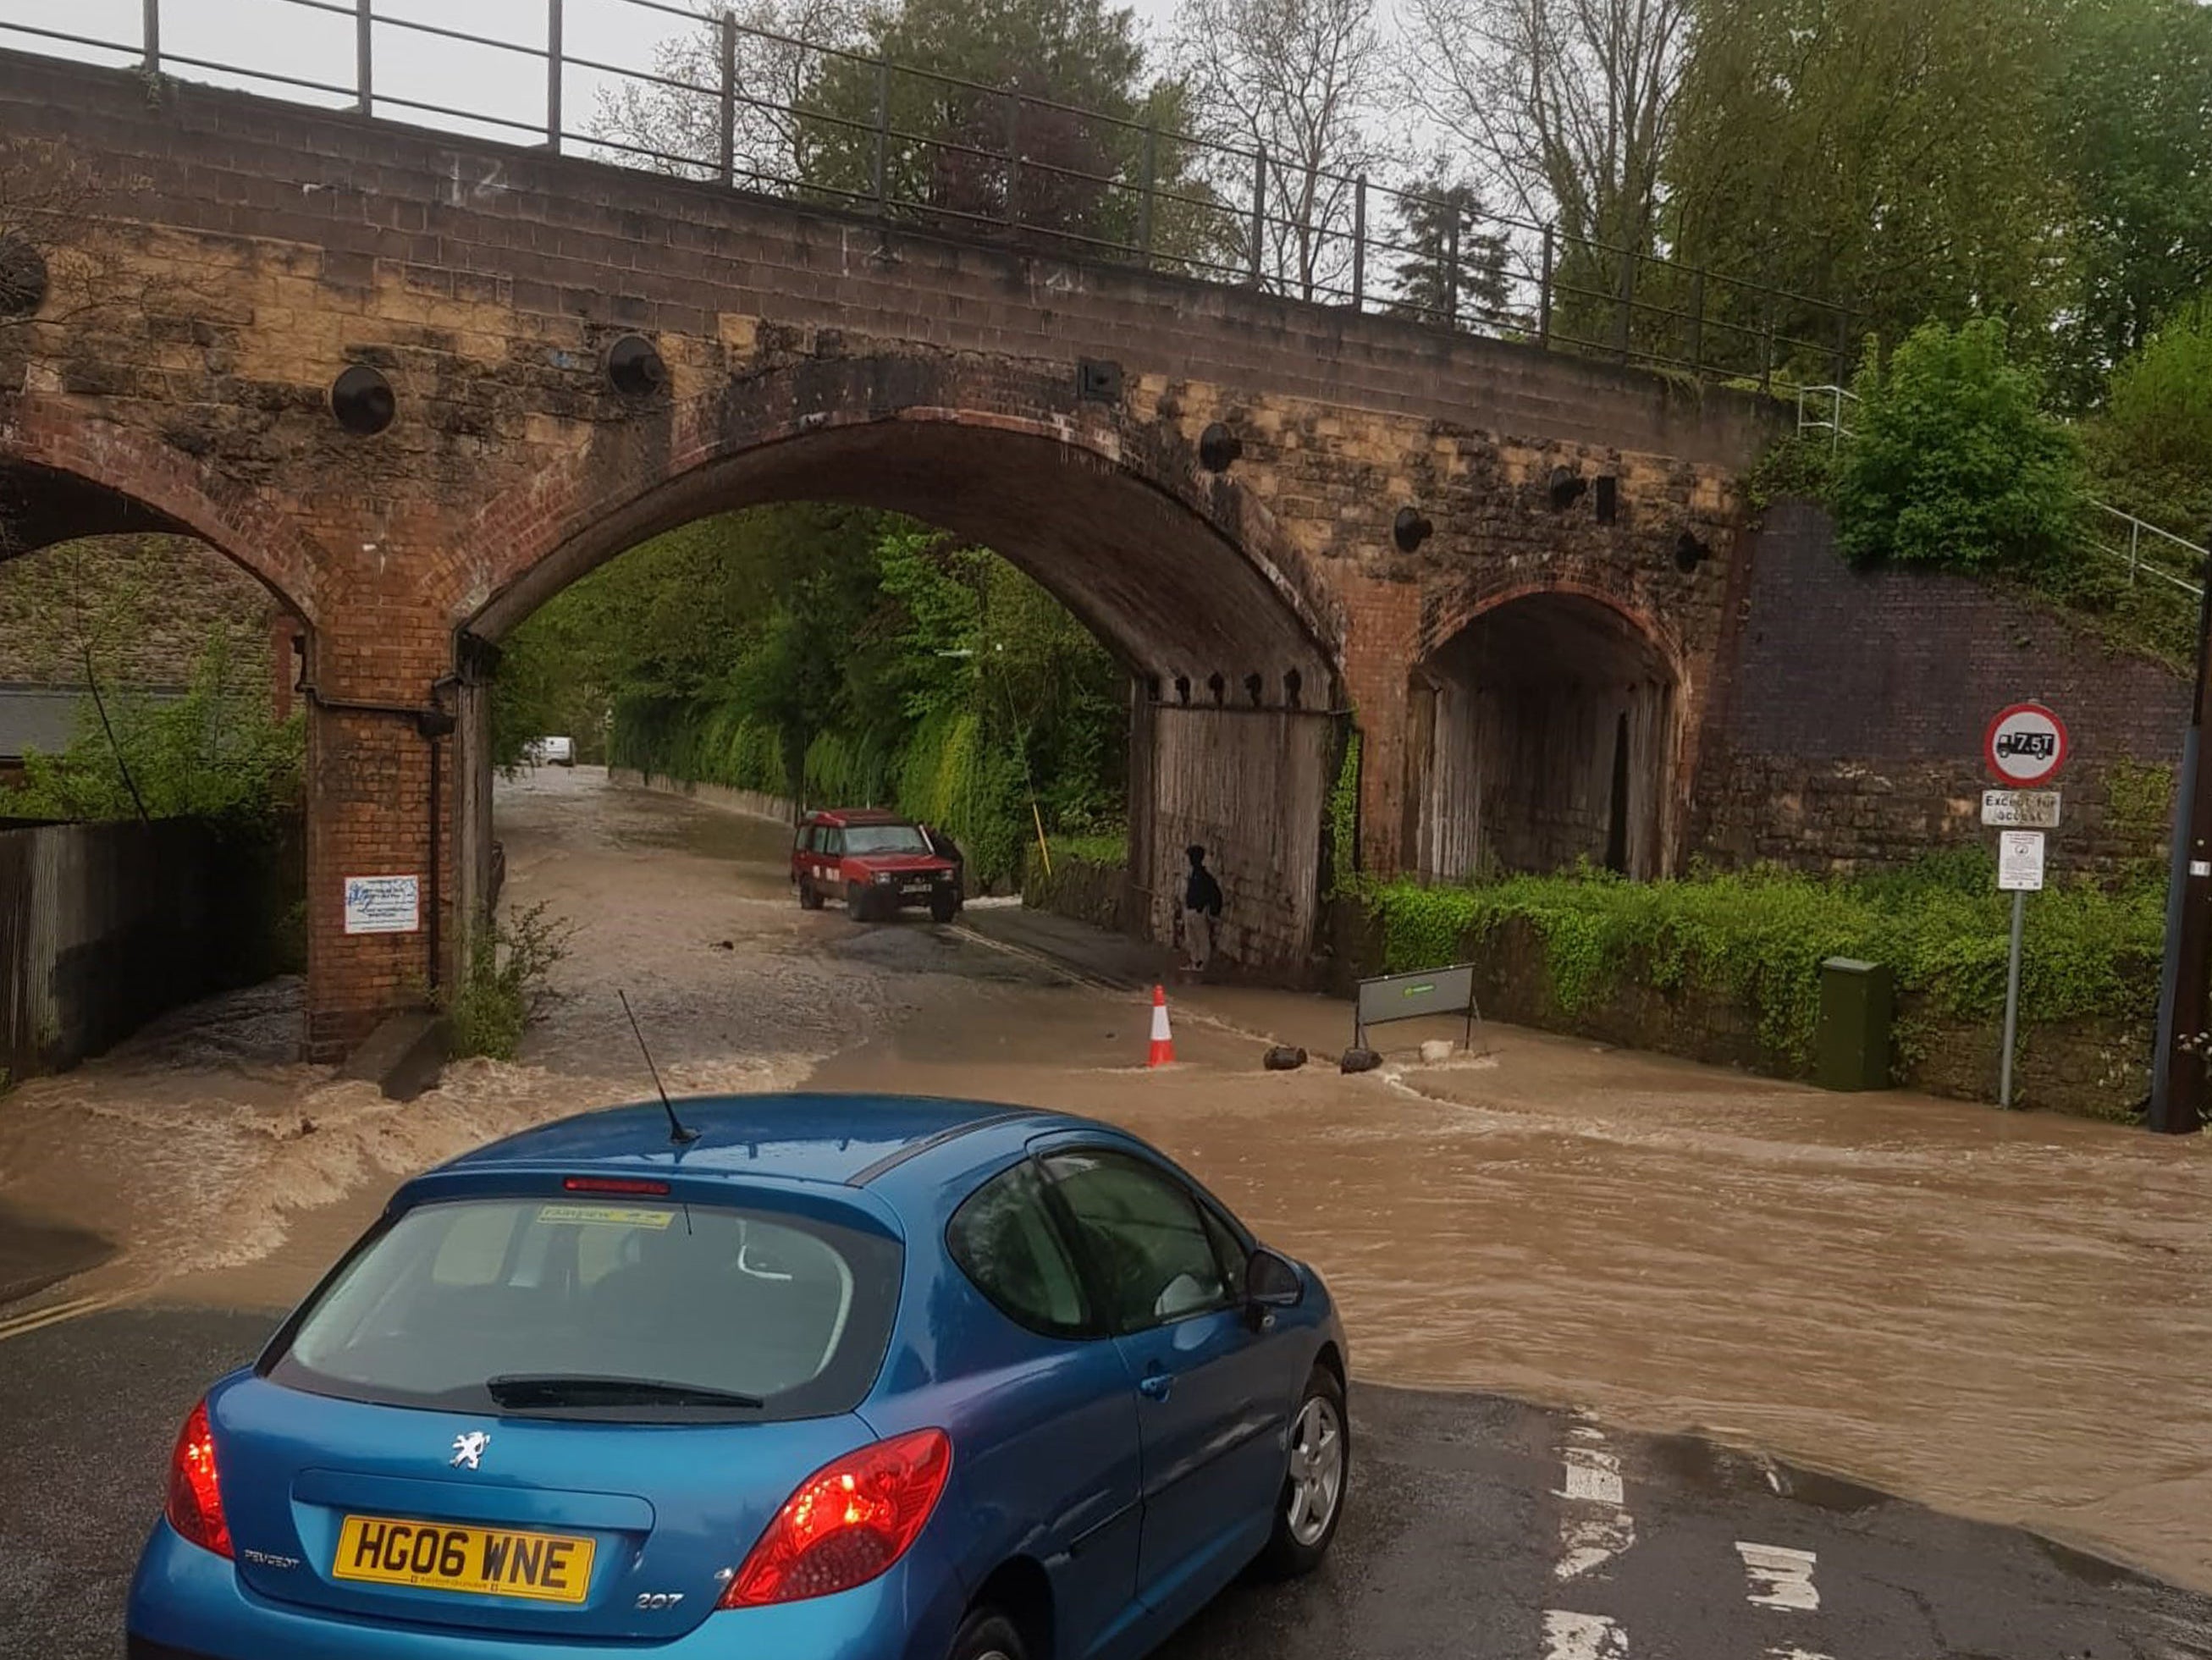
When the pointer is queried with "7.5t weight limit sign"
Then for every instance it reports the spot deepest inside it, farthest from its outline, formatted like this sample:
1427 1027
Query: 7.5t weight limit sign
2026 744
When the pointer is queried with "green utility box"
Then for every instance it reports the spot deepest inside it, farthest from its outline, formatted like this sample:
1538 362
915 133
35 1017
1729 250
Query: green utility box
1851 1049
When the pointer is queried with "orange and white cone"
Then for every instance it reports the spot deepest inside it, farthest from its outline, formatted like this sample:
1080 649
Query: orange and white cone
1163 1040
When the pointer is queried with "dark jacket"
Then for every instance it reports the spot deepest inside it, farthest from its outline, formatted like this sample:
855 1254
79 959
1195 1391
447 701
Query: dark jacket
1202 892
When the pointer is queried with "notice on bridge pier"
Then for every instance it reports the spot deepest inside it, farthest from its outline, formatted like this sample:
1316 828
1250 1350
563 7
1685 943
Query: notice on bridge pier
383 904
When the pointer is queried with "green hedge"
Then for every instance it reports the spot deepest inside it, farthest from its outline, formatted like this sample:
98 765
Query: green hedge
1759 937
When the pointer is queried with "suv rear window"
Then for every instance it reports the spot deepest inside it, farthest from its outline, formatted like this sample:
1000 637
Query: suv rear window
790 1310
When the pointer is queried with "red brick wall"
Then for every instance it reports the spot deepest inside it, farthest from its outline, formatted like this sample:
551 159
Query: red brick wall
1851 731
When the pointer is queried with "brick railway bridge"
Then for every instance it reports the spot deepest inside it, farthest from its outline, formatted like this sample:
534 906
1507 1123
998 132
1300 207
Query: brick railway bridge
1215 480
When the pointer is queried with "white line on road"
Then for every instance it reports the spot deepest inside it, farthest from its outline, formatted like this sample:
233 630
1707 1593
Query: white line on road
1780 1577
1592 1477
1583 1636
1795 1654
1595 1529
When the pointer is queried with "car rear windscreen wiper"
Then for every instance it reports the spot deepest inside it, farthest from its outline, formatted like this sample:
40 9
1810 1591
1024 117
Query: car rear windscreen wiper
571 1389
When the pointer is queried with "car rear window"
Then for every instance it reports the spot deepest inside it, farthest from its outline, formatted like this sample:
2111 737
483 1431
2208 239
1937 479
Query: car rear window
790 1310
884 838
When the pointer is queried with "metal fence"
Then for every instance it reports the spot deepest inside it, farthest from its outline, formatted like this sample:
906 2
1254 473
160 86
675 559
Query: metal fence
723 102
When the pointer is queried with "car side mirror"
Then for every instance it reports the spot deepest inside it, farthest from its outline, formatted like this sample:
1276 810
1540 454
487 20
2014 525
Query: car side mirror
1272 1281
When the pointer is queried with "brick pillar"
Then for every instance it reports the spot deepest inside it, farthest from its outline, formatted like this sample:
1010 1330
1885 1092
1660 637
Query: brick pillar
1383 642
368 813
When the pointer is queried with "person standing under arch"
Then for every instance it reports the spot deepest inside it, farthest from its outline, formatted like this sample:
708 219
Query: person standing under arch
1201 911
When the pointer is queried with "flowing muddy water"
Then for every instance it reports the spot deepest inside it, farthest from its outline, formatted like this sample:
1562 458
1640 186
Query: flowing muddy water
2005 1315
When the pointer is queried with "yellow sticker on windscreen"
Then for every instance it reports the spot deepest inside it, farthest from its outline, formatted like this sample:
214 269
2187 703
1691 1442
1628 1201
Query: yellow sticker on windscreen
605 1216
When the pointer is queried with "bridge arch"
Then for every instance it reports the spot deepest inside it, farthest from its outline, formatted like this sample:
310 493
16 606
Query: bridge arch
1179 572
65 473
1547 727
1233 650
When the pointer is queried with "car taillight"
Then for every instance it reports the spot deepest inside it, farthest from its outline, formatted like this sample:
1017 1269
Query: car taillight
195 1507
847 1523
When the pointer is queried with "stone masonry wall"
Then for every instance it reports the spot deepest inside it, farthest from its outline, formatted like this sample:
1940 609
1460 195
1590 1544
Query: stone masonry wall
1851 734
146 604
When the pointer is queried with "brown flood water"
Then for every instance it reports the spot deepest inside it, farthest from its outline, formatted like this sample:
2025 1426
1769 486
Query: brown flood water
2003 1315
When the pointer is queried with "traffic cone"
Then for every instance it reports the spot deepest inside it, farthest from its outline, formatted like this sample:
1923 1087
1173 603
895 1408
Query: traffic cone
1163 1040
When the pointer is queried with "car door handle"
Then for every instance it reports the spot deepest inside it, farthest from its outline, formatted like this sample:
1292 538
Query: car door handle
1157 1387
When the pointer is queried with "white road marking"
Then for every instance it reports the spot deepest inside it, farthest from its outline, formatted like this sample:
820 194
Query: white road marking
1590 1542
1780 1577
1795 1654
1596 1529
1583 1636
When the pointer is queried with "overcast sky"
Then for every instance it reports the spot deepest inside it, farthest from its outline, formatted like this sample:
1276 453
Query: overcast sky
315 41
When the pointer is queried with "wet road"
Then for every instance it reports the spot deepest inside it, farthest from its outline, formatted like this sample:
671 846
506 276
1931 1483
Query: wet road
2006 1316
1478 1529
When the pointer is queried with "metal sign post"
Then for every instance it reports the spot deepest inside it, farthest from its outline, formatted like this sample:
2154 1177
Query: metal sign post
2025 746
2020 872
2178 1062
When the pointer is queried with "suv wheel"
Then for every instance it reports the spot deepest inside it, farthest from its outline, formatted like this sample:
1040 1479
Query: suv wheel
856 901
810 897
942 906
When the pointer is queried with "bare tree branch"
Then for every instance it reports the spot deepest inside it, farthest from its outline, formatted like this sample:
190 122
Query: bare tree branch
1566 106
1295 78
680 129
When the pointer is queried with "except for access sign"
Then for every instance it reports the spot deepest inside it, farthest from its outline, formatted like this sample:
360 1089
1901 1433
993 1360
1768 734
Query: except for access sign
2020 861
2020 809
2026 744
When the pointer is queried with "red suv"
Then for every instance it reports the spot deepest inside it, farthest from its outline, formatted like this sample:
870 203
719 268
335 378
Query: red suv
875 861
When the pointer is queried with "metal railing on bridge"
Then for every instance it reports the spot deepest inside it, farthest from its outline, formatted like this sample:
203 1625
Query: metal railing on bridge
2151 554
724 102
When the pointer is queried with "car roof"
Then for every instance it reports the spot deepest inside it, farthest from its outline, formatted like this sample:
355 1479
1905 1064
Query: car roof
857 816
850 1140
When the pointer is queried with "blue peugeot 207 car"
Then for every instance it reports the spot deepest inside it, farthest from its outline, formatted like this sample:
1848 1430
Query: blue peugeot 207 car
796 1378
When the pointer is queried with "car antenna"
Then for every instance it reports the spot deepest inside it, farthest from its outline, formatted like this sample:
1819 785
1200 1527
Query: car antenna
677 1132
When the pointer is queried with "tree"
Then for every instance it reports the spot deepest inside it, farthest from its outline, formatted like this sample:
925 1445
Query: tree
1883 155
216 753
780 47
1567 107
1014 117
1291 80
2133 134
1953 462
1454 271
2152 441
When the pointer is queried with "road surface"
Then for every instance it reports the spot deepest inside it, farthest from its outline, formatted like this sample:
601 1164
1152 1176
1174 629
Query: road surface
2000 1317
1478 1529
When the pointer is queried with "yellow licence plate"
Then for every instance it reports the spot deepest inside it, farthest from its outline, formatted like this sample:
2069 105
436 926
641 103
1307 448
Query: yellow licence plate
549 1567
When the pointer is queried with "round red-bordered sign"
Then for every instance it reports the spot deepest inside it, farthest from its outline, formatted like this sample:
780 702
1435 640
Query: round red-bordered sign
2025 746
